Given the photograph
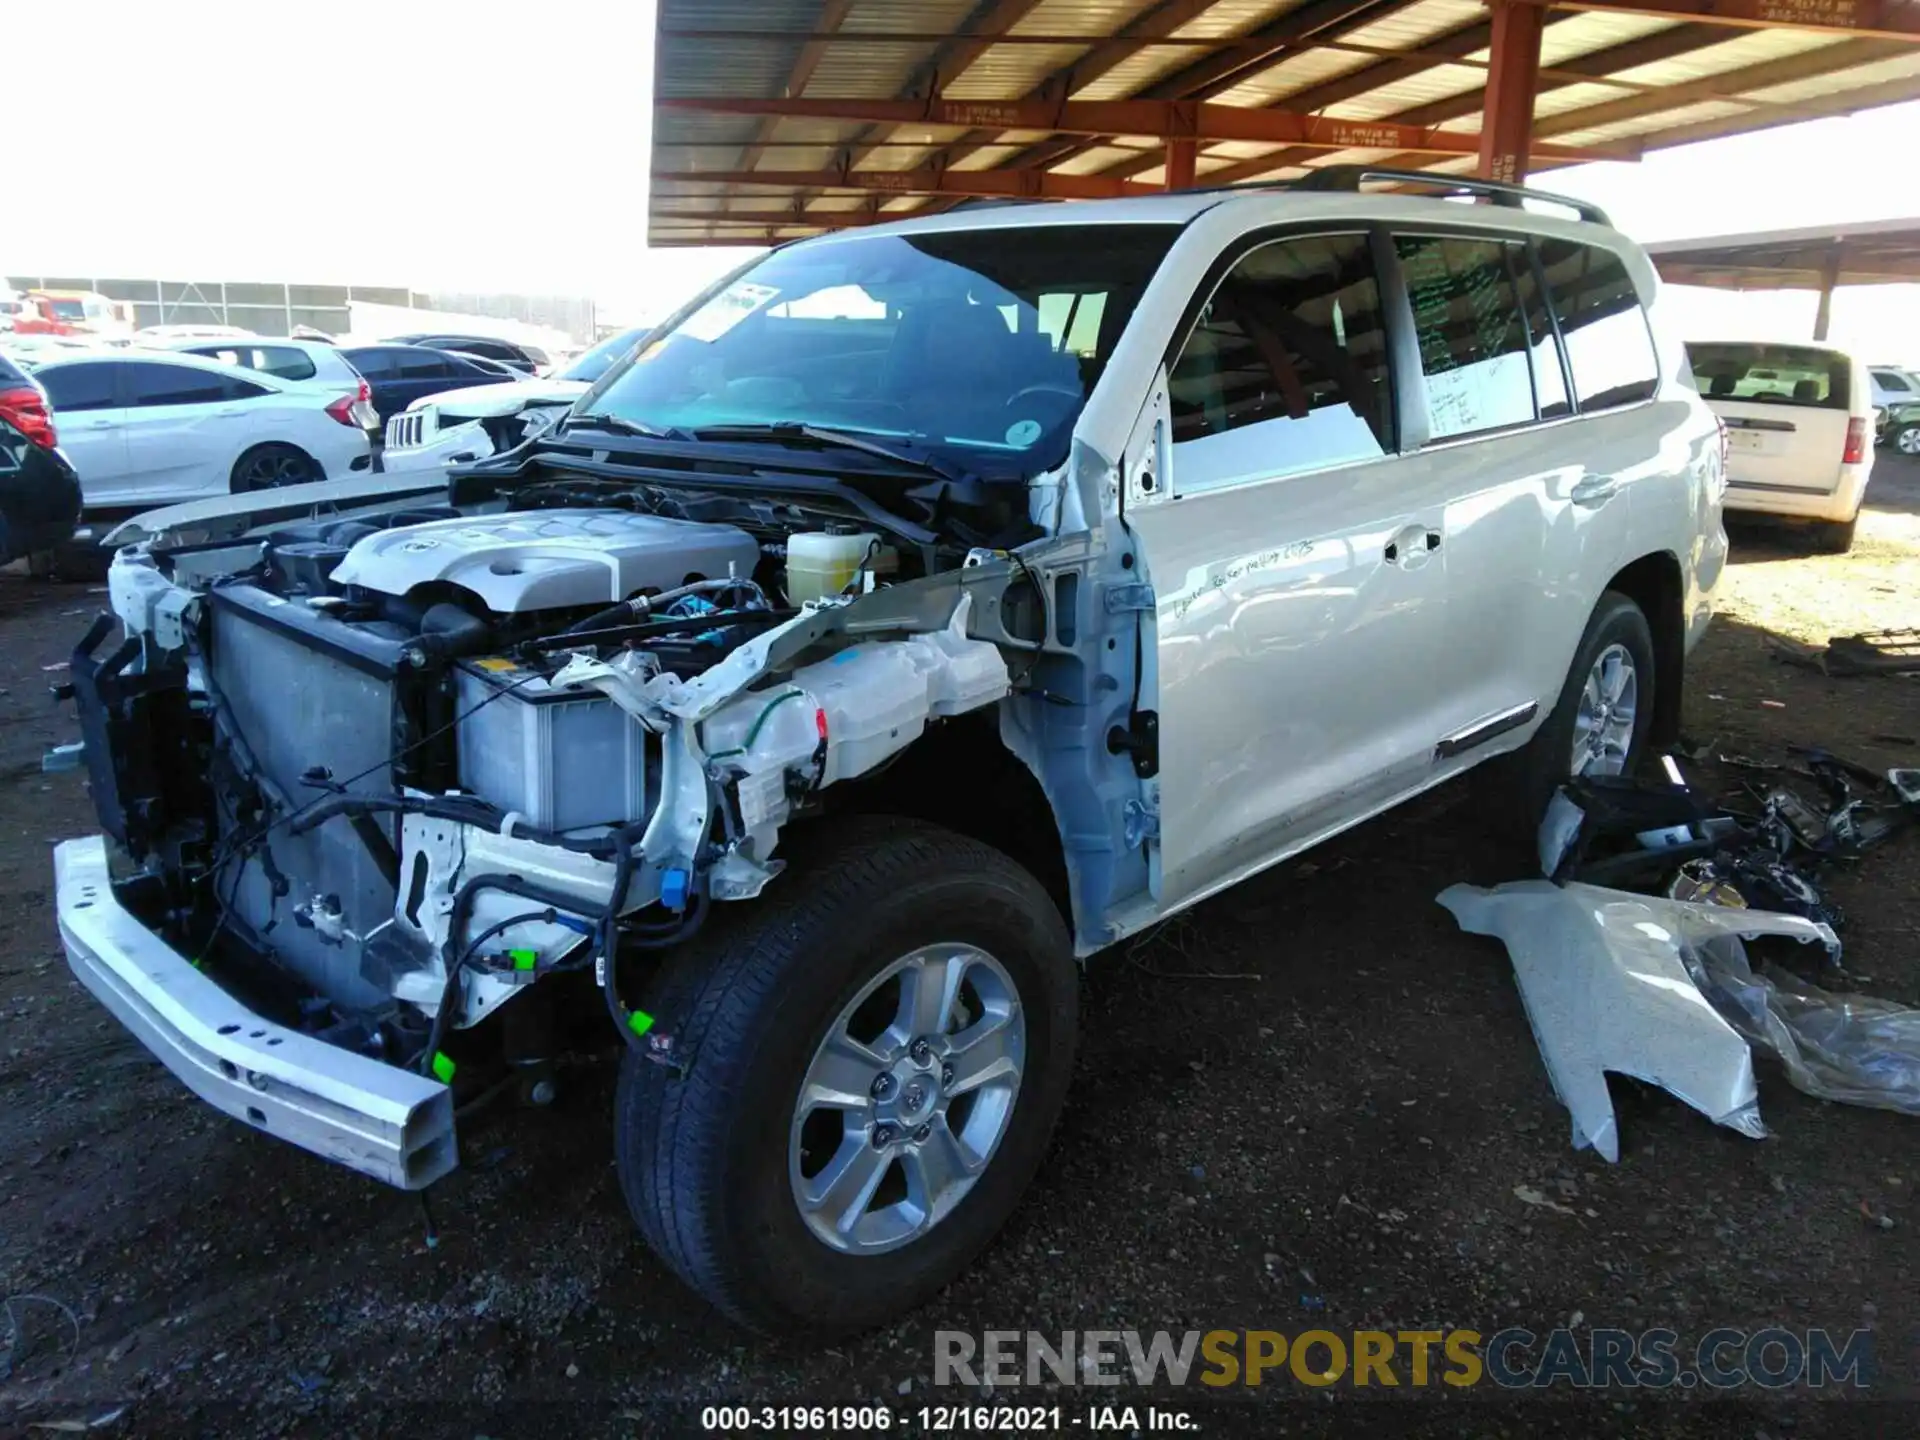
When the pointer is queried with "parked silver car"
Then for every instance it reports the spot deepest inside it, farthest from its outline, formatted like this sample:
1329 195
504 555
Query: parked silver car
922 608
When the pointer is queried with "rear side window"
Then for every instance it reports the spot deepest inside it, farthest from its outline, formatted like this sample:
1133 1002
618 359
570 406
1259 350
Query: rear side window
1472 334
1772 374
374 364
1285 369
421 364
278 360
1893 383
79 387
150 384
1609 347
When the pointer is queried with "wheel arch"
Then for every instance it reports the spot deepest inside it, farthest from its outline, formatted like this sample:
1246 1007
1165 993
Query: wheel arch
961 776
1654 583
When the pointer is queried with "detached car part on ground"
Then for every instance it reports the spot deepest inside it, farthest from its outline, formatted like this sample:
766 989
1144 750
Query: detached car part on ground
918 610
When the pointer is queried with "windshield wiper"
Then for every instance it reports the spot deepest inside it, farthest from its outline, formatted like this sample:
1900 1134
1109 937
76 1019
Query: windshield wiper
616 425
793 432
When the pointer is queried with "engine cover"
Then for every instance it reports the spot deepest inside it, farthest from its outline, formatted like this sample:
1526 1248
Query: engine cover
549 559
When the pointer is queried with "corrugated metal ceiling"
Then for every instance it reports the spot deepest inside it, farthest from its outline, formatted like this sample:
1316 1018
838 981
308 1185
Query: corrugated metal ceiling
1611 77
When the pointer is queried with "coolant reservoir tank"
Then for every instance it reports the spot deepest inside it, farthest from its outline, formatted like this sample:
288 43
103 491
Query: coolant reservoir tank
820 565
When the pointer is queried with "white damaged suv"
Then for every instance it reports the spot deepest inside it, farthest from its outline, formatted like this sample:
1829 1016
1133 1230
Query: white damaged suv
919 610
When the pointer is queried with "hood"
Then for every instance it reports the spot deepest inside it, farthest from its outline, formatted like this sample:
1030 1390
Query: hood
222 516
477 402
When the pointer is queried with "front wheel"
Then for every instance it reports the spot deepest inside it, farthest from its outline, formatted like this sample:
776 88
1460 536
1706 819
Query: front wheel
268 467
870 1061
1907 439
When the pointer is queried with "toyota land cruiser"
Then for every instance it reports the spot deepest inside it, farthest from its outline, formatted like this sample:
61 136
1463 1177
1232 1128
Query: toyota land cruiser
921 608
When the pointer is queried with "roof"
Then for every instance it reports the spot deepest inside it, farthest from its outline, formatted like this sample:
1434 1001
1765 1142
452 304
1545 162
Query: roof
780 118
1876 252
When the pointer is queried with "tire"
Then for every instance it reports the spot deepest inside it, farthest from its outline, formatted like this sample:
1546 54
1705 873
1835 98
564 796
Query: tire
270 466
710 1154
1906 439
1514 789
1835 537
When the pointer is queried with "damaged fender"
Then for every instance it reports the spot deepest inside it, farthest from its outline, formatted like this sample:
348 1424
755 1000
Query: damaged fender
1607 984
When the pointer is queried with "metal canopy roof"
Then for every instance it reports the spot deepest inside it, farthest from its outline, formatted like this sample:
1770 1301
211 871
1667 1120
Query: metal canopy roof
1879 252
780 118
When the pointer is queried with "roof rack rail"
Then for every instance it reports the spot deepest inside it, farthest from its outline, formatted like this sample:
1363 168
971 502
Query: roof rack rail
1352 177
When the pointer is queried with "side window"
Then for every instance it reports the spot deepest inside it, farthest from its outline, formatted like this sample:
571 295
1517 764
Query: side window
1285 369
421 365
238 389
79 387
1473 338
1609 346
372 364
1891 382
150 385
282 361
1549 362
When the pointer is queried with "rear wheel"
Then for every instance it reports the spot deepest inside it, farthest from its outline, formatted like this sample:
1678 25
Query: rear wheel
1907 439
872 1058
268 467
1835 537
1598 726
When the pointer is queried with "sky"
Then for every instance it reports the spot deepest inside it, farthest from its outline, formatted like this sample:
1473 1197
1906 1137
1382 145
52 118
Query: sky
253 139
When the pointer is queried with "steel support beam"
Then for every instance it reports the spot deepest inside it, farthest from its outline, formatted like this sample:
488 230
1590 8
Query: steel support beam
1506 129
1165 119
992 184
1181 155
1829 278
1883 19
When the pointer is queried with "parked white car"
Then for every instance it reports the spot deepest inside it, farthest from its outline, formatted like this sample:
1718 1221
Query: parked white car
1893 386
926 606
1800 428
473 422
147 428
315 364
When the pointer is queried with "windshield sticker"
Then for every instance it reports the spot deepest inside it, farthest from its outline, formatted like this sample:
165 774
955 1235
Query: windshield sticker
726 310
1023 433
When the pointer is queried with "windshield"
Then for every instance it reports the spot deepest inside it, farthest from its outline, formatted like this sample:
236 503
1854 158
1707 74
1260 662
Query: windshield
594 363
1771 374
981 345
68 309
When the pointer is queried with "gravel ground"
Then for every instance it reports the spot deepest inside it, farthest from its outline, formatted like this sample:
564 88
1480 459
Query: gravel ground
1312 1102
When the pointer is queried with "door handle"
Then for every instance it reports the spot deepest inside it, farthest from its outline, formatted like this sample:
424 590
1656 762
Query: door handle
1410 548
1594 491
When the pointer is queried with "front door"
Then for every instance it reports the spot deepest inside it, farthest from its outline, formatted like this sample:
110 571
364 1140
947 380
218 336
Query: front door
1298 567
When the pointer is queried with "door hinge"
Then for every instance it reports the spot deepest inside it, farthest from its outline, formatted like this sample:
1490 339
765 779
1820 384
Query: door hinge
1140 738
1142 822
1122 599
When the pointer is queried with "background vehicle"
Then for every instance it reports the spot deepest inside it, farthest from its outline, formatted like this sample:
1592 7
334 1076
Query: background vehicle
70 312
316 364
1799 424
400 374
528 359
168 335
1136 527
1893 386
436 427
146 428
39 492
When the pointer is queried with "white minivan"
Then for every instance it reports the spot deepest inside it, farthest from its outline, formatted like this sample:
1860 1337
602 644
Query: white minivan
1799 424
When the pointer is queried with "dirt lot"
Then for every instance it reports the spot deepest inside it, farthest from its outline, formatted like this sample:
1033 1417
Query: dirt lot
1310 1103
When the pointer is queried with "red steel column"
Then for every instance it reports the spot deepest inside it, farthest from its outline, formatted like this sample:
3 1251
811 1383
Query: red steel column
1181 155
1506 125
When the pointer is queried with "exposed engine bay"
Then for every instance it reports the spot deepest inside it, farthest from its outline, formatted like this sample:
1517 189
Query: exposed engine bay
384 772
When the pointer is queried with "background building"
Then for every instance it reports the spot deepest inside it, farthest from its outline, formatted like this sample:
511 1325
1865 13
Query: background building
275 307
